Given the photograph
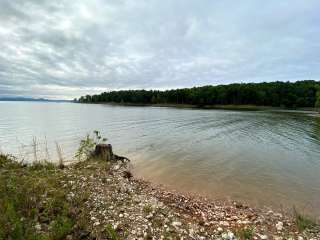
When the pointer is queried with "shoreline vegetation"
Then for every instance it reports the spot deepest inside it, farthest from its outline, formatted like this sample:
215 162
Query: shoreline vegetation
301 95
97 197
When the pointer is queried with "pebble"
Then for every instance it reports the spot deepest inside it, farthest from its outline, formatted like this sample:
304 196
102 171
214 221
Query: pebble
279 226
96 223
263 237
37 227
224 223
176 224
228 236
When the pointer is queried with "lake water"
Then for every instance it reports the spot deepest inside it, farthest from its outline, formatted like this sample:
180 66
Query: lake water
261 157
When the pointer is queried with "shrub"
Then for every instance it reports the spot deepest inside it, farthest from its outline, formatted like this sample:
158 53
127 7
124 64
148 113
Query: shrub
88 144
245 233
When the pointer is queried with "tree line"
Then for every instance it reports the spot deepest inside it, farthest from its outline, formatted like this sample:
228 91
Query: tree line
277 94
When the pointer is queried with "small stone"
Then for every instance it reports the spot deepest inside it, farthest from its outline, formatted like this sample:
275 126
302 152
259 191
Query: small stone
69 237
96 223
121 215
224 236
220 229
224 223
149 216
37 227
263 237
279 226
230 235
277 238
176 224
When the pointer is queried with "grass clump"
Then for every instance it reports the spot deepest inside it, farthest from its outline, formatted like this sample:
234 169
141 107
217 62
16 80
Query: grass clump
303 222
111 233
61 227
147 209
32 202
245 233
9 162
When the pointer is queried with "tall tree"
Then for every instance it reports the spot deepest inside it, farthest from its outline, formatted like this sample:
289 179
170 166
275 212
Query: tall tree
317 105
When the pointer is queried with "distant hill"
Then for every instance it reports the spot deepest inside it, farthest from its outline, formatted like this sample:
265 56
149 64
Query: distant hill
26 99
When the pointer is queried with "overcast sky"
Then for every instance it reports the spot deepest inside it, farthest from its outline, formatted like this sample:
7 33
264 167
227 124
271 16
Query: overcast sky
67 48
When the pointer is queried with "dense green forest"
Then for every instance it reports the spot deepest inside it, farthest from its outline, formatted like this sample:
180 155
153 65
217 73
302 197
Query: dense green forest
277 94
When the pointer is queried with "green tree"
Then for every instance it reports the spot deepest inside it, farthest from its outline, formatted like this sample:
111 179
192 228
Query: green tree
276 94
317 105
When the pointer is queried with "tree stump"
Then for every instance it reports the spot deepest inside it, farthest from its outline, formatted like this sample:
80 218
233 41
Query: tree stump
104 152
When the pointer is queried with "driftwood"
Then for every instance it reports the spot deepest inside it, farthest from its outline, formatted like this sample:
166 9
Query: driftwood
104 152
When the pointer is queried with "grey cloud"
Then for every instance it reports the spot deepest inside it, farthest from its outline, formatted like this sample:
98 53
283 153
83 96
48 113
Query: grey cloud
62 49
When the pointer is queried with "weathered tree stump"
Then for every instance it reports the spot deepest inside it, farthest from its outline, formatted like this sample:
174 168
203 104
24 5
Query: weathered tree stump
104 152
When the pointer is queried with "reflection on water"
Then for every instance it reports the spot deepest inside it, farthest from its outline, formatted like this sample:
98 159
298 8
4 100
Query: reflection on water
264 158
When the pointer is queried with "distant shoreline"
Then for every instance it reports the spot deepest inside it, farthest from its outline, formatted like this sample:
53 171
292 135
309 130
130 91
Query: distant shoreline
33 100
213 107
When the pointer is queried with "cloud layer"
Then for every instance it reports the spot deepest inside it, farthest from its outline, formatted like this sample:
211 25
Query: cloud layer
63 49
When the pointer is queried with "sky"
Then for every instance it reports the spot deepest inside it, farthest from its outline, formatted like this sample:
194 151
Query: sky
64 49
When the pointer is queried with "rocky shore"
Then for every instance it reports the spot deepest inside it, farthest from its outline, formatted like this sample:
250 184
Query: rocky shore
106 202
138 210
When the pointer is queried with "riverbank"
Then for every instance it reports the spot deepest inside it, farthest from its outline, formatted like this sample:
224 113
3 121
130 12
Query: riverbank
95 199
217 107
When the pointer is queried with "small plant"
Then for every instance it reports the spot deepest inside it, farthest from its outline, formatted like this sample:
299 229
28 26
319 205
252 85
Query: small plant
61 227
88 144
111 233
302 221
60 156
245 233
147 209
35 149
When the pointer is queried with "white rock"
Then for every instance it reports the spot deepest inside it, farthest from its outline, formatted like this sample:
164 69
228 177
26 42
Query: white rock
220 229
263 237
120 215
230 235
176 224
277 238
300 238
224 223
37 227
224 235
149 216
96 223
279 226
